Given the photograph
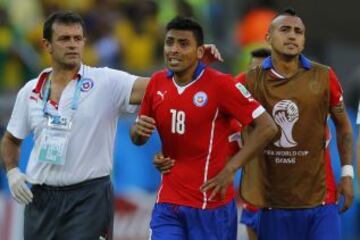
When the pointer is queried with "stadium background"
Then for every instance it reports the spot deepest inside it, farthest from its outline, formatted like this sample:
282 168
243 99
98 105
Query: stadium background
127 34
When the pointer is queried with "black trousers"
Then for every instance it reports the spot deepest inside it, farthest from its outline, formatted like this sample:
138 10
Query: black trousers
83 211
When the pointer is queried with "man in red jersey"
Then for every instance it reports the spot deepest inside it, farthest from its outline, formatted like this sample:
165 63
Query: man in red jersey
191 105
292 179
249 214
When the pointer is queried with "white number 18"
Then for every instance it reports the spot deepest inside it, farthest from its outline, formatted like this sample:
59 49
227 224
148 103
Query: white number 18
177 121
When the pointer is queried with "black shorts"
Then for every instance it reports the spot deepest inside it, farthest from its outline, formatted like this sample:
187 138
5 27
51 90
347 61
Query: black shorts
82 211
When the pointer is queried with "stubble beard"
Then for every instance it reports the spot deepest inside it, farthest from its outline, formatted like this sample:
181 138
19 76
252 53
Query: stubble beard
289 56
70 66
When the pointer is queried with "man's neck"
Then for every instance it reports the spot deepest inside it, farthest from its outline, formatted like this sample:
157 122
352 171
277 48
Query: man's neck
183 78
62 76
286 66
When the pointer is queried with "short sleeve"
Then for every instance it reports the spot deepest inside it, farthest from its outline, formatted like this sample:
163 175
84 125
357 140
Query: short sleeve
241 78
237 101
19 125
336 92
121 85
145 108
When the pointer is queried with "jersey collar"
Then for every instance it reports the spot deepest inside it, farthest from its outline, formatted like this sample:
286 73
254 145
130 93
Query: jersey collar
199 69
304 62
43 76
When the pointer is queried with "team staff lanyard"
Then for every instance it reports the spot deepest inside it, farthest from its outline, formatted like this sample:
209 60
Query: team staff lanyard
55 136
75 100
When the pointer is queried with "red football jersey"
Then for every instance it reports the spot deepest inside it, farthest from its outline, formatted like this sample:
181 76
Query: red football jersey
193 124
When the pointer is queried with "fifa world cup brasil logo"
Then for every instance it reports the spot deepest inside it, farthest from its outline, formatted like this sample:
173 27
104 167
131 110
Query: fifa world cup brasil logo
286 114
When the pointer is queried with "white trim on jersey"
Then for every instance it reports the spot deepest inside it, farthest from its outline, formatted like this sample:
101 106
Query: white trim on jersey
181 89
258 111
150 233
161 186
206 170
328 139
277 74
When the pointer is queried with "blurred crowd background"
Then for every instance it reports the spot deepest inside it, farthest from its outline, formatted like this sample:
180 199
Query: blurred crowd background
128 35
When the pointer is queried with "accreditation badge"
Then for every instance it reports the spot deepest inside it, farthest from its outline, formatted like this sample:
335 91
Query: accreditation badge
54 140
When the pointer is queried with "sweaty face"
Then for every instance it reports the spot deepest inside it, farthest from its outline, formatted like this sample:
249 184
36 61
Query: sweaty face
181 51
287 35
67 44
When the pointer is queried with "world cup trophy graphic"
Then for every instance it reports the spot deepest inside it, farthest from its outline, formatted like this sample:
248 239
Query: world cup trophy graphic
286 114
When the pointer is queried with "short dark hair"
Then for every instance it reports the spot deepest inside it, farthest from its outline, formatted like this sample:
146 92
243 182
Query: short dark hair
187 24
290 11
261 53
63 17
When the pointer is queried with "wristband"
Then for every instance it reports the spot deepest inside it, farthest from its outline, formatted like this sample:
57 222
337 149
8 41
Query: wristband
347 171
13 171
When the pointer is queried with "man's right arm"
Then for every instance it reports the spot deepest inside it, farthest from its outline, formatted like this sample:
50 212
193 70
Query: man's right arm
17 129
138 90
142 129
10 150
264 131
144 124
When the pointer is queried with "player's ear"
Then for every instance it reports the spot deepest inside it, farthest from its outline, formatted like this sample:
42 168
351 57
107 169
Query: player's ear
46 45
267 37
200 52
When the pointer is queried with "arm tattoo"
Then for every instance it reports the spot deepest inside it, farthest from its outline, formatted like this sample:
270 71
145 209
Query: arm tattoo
340 108
345 148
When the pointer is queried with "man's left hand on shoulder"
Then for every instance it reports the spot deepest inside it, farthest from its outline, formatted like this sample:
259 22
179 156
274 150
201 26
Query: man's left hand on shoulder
211 54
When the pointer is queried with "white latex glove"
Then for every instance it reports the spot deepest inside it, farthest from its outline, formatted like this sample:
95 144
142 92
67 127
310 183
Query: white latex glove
17 183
